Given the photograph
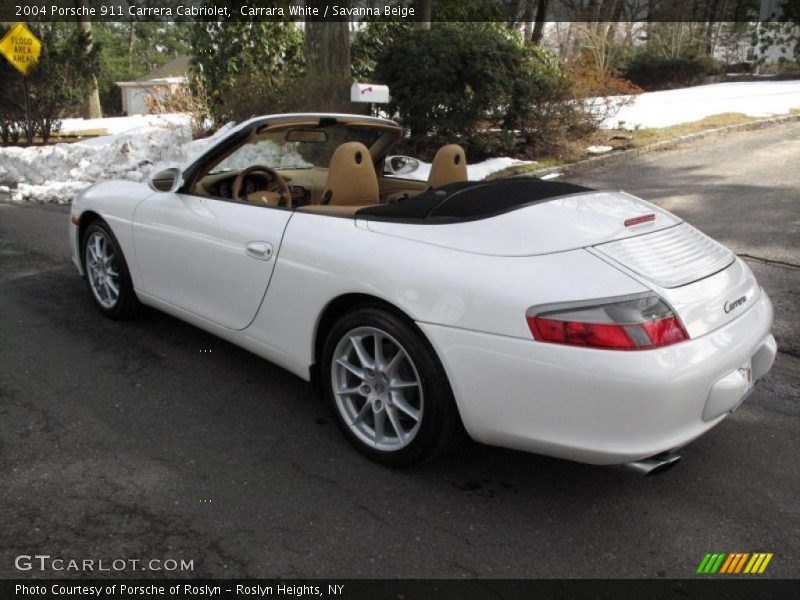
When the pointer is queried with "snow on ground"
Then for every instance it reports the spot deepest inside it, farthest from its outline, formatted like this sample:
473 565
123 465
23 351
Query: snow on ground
114 125
671 107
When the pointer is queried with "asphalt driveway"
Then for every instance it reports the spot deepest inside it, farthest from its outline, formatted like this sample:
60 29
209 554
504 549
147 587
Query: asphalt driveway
152 439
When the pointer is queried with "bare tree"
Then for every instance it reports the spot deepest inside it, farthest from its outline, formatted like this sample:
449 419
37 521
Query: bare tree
93 110
327 53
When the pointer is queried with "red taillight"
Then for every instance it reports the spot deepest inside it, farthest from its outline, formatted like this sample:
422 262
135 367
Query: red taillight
640 323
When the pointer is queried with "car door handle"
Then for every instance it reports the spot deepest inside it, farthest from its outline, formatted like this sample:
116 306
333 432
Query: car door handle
259 250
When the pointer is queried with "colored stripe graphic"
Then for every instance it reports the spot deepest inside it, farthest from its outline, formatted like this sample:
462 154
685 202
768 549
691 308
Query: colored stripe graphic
734 563
764 564
711 563
741 562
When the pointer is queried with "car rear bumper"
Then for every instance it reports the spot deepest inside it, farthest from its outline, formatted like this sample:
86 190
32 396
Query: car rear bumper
601 406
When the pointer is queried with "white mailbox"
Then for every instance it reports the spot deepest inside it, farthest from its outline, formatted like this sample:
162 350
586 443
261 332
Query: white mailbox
369 92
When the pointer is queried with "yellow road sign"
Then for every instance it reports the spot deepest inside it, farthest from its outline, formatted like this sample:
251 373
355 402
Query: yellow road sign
21 48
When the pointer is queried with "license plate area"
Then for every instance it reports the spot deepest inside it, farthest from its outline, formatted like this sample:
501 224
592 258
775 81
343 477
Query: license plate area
746 373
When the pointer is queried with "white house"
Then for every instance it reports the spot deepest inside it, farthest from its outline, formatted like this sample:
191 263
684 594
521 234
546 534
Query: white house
164 80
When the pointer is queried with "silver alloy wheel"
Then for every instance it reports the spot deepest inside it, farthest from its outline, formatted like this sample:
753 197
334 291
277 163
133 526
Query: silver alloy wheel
377 388
102 269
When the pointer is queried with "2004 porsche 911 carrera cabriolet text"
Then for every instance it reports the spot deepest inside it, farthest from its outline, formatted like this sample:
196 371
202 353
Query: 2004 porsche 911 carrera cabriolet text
538 315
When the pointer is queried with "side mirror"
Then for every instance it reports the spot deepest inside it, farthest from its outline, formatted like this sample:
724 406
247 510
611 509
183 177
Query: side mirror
168 180
400 165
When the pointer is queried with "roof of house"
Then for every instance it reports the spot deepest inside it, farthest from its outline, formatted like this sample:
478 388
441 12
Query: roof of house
177 67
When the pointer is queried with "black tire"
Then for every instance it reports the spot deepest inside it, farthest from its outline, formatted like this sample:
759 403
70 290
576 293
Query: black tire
439 429
126 305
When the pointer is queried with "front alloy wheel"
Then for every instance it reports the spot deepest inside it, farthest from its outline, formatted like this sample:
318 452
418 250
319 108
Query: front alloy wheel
102 269
107 273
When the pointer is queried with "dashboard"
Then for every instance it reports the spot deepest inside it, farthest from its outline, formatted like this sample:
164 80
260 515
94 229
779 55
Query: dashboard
223 188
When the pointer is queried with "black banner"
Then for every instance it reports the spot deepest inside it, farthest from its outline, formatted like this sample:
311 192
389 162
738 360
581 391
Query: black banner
510 11
398 589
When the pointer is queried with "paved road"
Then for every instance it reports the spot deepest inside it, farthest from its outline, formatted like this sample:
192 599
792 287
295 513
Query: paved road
125 440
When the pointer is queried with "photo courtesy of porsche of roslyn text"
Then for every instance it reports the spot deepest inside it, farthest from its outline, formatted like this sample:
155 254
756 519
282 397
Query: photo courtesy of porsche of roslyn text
408 298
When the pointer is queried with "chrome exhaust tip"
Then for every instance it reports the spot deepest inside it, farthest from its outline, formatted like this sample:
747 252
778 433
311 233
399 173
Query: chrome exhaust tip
654 465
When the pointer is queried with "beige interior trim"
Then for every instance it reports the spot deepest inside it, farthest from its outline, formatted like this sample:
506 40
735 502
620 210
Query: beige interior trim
351 177
449 166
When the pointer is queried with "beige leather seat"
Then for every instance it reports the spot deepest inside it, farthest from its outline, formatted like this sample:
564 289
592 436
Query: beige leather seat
449 166
351 177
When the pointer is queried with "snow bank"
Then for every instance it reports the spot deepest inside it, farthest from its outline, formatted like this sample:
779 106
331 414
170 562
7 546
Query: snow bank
114 125
671 107
58 173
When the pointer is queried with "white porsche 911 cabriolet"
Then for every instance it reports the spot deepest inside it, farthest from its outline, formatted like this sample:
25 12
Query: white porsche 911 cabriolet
538 315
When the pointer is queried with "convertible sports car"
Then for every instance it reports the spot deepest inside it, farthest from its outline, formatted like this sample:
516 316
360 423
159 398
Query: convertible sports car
537 315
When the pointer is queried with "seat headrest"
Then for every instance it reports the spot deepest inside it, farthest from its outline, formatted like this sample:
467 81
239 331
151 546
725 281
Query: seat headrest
351 177
449 166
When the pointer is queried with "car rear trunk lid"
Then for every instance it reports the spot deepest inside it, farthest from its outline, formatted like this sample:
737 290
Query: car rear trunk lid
671 257
703 281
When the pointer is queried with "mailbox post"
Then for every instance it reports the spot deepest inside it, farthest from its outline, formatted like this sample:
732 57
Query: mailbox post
369 93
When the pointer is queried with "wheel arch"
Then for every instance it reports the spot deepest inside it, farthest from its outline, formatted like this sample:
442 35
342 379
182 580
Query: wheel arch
86 218
340 306
345 303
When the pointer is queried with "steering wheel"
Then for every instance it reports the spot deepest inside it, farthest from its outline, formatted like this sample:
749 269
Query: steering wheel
278 188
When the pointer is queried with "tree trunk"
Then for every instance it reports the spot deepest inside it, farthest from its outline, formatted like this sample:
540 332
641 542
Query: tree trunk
131 38
513 14
425 8
527 22
541 16
709 30
328 79
93 110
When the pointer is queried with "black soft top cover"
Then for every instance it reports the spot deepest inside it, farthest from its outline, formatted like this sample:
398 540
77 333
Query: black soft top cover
470 200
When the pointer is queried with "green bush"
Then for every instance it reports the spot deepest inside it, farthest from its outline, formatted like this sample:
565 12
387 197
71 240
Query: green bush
653 72
451 81
246 68
372 41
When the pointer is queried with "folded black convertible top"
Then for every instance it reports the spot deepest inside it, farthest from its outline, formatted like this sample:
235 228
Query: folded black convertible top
470 200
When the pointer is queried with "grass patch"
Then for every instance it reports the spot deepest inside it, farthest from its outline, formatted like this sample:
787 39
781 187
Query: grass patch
621 139
645 137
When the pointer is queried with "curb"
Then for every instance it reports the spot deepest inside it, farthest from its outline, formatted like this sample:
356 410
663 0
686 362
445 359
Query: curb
613 158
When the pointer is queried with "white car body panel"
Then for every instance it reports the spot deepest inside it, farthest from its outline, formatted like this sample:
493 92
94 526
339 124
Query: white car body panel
116 202
558 225
468 286
192 253
592 405
322 258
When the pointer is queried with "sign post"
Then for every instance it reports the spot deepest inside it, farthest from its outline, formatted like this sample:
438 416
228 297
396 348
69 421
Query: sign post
22 49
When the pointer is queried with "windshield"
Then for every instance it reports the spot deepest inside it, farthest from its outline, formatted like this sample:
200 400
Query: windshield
275 150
